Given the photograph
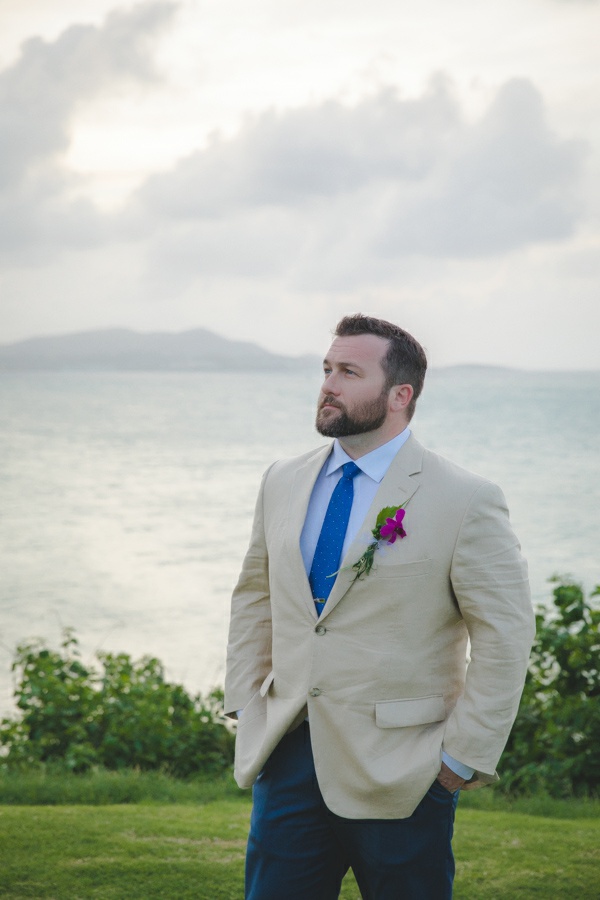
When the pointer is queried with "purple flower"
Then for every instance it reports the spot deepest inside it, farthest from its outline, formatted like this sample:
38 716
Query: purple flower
392 528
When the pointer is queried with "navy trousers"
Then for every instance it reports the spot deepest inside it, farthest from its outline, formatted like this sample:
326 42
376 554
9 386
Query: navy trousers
299 850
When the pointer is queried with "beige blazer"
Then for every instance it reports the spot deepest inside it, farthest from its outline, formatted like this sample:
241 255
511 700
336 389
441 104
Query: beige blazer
384 672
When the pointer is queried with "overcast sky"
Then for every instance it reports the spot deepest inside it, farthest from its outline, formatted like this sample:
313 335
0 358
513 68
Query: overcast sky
262 167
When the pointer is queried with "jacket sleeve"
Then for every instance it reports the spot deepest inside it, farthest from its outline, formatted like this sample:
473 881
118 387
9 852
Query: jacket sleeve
489 579
249 645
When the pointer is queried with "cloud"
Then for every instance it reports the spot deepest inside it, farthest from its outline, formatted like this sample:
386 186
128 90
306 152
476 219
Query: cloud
309 153
323 196
507 181
39 97
332 196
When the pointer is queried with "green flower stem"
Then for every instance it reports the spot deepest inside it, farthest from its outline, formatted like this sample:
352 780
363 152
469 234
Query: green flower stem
364 565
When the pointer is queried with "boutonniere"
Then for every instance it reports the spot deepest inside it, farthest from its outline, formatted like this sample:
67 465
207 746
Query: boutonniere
388 525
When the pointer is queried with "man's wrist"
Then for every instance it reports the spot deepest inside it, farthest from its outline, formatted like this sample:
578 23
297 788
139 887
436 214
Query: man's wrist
460 769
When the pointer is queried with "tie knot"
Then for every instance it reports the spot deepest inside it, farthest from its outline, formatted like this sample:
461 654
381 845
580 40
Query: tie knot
350 469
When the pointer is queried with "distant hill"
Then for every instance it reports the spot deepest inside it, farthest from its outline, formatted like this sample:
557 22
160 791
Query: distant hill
120 349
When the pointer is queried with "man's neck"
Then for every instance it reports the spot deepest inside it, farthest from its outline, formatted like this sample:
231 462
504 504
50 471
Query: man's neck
357 445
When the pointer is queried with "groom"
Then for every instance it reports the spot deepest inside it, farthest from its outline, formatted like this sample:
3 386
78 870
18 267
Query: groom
379 638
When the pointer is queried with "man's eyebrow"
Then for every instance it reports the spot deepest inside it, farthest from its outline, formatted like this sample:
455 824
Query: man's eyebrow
344 365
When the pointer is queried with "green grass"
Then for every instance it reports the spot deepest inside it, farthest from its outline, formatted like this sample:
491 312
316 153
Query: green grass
101 787
511 855
124 852
493 800
141 852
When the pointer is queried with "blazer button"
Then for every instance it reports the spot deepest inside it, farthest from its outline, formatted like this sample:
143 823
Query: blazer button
315 692
320 629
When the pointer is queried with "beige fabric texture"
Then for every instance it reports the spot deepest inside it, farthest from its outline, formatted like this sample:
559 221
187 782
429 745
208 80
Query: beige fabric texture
428 651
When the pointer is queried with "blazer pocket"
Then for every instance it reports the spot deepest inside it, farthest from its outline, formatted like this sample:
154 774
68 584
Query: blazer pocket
403 713
404 570
266 684
257 704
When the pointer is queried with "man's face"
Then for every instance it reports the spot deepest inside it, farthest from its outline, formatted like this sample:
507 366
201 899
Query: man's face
353 397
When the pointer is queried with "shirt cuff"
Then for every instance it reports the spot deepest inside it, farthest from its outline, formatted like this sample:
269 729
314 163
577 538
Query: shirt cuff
457 767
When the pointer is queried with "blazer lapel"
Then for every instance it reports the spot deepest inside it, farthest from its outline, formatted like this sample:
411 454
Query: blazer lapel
397 487
304 481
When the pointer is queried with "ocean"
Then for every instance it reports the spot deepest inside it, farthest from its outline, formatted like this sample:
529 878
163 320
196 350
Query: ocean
126 499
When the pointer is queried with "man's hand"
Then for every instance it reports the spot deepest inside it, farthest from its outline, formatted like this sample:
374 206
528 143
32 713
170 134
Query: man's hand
449 779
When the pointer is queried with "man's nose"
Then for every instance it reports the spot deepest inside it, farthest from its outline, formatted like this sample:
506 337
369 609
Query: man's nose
330 384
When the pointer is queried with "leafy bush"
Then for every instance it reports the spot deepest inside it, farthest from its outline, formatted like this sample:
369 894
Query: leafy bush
555 742
127 716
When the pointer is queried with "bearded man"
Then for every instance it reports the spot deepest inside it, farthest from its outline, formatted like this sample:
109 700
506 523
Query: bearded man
375 566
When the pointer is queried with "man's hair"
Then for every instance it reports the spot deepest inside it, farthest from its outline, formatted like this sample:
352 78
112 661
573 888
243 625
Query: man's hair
404 362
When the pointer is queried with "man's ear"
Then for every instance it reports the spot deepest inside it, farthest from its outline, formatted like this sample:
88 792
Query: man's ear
400 396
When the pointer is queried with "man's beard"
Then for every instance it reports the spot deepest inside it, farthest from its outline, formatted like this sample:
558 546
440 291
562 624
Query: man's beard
366 416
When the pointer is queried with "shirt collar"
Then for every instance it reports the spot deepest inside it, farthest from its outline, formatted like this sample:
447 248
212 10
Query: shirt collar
374 464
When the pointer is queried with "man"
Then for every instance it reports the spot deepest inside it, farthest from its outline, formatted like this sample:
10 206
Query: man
359 719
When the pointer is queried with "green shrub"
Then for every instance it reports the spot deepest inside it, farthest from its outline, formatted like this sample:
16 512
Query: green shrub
73 718
554 746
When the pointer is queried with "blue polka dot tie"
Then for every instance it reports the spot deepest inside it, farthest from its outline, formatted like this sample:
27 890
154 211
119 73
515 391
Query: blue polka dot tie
328 554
